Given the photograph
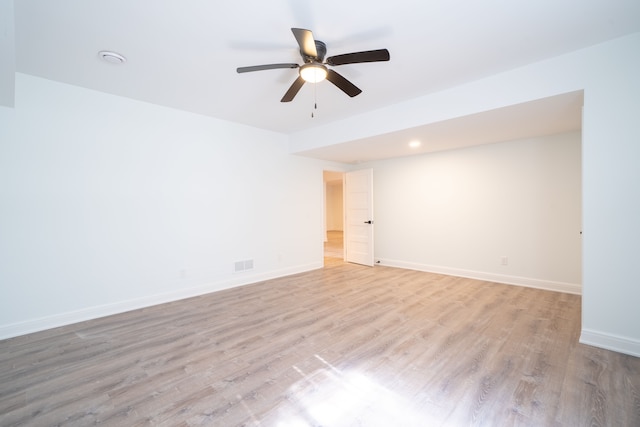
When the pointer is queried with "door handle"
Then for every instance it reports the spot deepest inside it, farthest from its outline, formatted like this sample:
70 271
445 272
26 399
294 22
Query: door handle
368 222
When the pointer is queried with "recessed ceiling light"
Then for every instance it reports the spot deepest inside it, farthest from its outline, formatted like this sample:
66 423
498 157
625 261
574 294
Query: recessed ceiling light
112 57
415 144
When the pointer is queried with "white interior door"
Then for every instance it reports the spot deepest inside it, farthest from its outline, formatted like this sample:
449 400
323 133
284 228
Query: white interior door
358 199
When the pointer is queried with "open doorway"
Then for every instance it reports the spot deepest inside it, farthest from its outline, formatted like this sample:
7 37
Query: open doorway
333 216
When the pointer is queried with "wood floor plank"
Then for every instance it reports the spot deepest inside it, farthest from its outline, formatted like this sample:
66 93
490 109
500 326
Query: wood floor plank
345 345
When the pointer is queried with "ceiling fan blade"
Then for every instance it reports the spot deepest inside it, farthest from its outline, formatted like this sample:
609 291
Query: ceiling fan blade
293 90
343 84
306 42
357 57
265 67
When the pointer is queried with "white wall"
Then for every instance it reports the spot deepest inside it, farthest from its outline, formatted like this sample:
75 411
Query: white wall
608 74
7 53
611 210
109 204
461 211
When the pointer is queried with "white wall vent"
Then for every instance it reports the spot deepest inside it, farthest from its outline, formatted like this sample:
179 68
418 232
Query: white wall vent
243 265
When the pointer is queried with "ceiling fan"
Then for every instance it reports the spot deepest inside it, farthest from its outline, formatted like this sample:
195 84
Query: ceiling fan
315 68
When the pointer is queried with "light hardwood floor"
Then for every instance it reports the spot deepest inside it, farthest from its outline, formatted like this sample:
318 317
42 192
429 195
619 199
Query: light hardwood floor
342 346
333 247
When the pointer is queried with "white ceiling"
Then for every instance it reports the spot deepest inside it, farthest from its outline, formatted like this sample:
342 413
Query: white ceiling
548 116
183 54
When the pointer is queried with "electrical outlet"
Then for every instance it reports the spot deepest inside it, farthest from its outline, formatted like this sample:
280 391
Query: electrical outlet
504 260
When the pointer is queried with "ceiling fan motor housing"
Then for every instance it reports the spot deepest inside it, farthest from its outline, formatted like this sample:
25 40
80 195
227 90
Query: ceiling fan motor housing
321 50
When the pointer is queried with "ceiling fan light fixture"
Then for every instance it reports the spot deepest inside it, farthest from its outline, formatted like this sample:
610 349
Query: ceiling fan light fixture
313 72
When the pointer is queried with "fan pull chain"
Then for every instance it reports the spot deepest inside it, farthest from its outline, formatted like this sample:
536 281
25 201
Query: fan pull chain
315 98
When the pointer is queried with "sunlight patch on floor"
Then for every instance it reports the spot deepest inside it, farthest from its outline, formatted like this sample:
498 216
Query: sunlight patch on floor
330 397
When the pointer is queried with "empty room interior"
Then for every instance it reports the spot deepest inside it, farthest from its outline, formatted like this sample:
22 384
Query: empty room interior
440 230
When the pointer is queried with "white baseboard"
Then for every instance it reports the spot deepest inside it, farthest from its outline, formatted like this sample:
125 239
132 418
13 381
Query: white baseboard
610 342
63 319
569 288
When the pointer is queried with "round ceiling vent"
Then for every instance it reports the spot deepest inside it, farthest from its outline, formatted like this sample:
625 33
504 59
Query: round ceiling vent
112 57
